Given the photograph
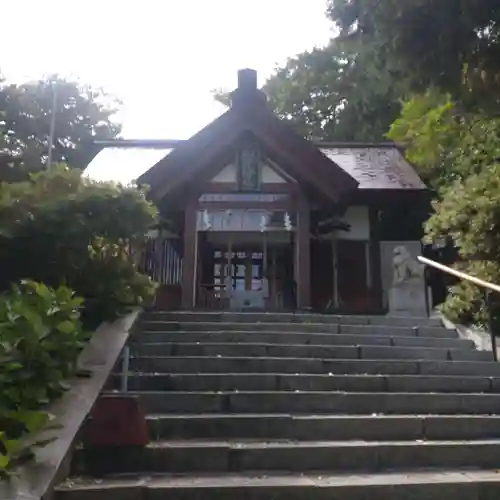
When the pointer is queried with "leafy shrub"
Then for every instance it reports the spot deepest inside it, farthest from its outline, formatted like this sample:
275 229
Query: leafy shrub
60 228
41 336
469 213
119 286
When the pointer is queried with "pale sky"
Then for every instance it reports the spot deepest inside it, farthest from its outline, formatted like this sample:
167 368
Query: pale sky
162 58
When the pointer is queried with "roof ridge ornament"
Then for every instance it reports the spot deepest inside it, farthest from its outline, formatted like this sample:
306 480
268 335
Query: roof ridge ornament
247 95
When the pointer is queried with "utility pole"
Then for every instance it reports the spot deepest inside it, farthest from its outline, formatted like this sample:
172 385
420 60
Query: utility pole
52 124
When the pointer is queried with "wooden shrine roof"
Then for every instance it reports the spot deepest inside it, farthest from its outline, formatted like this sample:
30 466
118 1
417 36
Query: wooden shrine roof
334 170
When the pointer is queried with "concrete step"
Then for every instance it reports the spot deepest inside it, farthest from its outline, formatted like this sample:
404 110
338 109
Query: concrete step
291 338
454 484
296 456
310 351
333 328
199 364
307 382
360 403
323 427
254 317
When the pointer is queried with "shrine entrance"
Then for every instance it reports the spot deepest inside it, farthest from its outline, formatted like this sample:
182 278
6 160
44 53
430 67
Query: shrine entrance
242 273
255 274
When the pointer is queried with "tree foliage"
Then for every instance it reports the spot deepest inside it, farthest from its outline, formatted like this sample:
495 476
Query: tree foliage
451 44
469 213
432 129
83 114
335 93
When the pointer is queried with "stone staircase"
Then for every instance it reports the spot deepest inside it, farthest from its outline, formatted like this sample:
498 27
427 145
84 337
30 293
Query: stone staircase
250 406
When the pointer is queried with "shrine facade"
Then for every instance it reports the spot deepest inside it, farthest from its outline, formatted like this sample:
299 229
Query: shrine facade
257 217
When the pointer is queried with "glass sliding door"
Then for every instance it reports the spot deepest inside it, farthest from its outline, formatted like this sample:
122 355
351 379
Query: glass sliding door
246 268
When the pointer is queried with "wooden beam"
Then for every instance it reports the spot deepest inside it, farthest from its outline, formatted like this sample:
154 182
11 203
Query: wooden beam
387 197
250 205
269 187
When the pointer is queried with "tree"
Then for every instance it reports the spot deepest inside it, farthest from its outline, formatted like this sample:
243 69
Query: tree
83 115
335 94
451 44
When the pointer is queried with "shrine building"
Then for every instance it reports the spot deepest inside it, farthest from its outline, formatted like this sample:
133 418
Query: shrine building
257 217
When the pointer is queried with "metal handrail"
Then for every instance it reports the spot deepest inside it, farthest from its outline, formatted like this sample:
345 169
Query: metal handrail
489 287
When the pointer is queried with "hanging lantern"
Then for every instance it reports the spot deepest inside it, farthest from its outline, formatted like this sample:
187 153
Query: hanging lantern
288 222
207 225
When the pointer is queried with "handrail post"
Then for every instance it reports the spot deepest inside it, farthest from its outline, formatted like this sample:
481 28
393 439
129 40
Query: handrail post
488 299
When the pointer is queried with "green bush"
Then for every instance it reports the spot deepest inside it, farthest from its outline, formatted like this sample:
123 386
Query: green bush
59 228
41 337
469 213
119 286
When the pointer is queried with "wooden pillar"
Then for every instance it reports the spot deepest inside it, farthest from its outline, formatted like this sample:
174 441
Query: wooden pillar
303 257
189 260
205 273
375 256
274 284
264 256
229 271
335 288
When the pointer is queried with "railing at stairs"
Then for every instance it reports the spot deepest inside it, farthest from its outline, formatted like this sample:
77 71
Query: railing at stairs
487 287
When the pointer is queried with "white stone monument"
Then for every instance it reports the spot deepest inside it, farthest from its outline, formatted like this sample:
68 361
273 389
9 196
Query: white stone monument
407 293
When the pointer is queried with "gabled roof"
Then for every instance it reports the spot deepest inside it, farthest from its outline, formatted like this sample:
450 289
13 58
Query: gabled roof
249 114
335 170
